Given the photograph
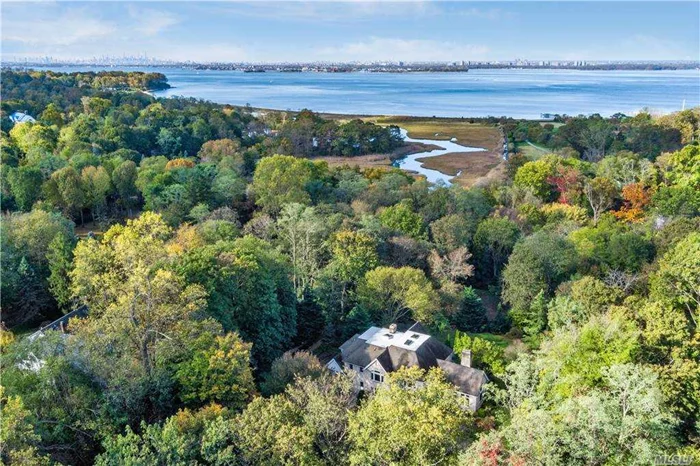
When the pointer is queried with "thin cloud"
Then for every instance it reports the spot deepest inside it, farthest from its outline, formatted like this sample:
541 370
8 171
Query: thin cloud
72 26
328 11
152 22
492 14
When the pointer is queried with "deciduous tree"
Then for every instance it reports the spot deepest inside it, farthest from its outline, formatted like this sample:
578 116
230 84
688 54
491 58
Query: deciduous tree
416 418
391 294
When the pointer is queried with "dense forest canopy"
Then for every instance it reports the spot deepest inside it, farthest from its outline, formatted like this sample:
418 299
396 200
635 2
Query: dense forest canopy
213 245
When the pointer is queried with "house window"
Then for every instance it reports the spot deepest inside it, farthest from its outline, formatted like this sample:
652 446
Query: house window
362 369
377 377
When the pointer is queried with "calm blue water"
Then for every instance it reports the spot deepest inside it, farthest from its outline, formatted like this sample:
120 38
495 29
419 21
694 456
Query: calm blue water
515 93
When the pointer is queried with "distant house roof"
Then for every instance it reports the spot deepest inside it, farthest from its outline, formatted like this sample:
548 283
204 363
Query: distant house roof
19 117
467 379
60 323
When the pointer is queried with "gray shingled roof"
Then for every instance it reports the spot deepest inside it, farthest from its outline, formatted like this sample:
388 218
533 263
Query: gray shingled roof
467 379
358 352
418 327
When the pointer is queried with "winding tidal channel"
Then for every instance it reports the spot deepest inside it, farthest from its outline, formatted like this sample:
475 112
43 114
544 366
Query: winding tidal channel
411 163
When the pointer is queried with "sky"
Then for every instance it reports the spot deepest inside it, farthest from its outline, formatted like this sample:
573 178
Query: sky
307 31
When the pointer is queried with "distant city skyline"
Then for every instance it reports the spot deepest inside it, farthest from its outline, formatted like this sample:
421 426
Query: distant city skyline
358 31
146 60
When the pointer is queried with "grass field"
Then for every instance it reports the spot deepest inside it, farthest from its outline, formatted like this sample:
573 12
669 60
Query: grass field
444 129
498 340
532 152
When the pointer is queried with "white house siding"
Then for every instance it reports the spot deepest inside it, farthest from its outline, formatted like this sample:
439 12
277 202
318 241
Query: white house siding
474 402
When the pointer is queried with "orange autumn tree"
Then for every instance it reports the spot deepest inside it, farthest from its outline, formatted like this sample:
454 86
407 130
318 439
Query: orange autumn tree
179 163
636 197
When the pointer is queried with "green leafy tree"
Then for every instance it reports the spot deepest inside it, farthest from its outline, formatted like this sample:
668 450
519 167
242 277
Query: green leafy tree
62 403
142 317
494 241
34 135
52 115
353 253
683 166
249 291
452 231
563 311
124 180
486 355
124 255
287 368
422 425
538 264
18 441
25 185
308 424
678 276
96 186
282 179
576 358
26 240
593 295
402 218
302 233
97 106
628 251
178 441
218 372
623 423
535 176
676 201
65 190
471 314
60 257
391 294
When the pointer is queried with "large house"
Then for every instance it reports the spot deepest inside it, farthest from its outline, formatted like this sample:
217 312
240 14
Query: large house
379 351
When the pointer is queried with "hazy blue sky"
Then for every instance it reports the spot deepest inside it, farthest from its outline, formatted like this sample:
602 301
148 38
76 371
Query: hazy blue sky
357 30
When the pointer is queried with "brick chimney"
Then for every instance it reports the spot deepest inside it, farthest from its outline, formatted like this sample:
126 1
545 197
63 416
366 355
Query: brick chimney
467 358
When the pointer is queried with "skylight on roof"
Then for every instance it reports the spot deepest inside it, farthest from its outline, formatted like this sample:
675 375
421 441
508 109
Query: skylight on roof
408 342
415 335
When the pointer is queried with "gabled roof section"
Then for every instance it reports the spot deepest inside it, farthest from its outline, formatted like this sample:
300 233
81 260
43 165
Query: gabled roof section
467 379
395 349
418 327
